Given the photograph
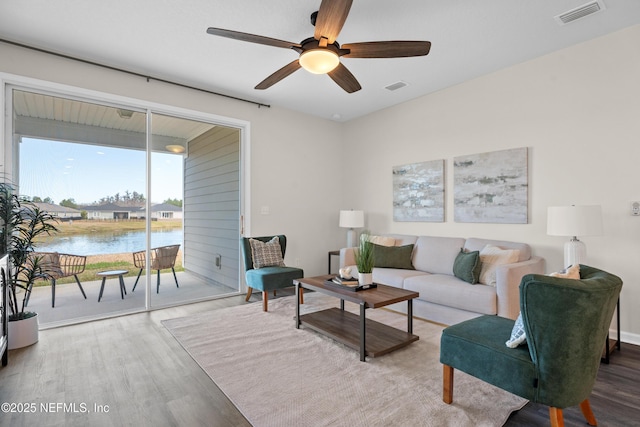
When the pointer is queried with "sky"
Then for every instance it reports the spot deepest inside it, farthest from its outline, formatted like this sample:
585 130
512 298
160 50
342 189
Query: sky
87 173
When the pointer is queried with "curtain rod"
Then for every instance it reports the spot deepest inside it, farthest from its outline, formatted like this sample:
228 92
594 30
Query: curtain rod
133 73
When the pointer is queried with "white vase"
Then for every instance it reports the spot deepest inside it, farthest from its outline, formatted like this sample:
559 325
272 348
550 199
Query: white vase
365 279
22 332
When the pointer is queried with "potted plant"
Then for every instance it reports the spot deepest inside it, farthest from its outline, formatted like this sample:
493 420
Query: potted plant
21 222
364 260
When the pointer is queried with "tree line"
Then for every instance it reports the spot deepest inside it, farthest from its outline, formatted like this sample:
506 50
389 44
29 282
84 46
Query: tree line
127 199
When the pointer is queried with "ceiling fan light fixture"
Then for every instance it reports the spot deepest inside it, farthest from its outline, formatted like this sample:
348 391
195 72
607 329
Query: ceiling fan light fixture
319 61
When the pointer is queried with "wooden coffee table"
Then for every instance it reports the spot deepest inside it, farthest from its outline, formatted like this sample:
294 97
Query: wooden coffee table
371 338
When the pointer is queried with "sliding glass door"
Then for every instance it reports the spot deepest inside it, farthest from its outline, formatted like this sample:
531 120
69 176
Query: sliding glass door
151 198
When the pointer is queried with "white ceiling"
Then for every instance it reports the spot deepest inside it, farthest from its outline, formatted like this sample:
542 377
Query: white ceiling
168 40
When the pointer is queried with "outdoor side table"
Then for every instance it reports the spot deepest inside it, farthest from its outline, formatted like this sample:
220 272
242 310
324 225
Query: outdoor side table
113 273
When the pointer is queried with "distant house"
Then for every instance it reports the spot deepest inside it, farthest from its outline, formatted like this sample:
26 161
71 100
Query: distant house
164 211
61 212
111 211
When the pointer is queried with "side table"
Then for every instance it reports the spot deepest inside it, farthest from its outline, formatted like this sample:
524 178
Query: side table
113 273
612 344
332 253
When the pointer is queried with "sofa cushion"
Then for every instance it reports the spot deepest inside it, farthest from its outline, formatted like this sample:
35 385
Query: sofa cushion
467 266
394 276
436 254
403 239
475 244
491 257
383 240
450 291
393 256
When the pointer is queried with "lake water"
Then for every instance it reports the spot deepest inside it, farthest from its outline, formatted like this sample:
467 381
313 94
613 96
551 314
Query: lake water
110 243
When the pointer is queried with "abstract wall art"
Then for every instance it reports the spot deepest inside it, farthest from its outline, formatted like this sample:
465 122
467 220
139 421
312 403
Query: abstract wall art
418 192
491 187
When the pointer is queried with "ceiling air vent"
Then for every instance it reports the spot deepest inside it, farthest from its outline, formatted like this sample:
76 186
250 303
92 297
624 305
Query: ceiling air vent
396 86
580 12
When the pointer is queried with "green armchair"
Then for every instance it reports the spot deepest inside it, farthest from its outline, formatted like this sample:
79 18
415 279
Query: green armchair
566 323
269 277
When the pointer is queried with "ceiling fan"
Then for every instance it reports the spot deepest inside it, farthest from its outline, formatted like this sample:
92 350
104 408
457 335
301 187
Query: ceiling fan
321 53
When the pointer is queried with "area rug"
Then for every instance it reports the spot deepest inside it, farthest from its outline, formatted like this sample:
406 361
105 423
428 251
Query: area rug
278 375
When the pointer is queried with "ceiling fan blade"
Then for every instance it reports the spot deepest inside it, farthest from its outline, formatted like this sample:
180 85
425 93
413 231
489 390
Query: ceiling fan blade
343 77
390 49
331 17
245 37
279 75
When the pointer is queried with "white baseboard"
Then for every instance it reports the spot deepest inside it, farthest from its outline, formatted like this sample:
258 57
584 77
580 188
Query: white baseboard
626 337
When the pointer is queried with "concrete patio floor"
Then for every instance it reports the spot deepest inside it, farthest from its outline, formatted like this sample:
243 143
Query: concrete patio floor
70 306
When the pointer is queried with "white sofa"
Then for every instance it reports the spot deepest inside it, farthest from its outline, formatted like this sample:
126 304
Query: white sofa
444 298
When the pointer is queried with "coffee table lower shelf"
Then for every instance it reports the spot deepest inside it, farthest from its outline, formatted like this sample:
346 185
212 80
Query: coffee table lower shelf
344 327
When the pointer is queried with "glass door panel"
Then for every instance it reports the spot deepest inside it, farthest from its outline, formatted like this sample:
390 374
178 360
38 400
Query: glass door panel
194 198
85 163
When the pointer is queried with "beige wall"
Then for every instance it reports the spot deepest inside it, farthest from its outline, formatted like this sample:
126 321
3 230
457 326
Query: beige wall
578 111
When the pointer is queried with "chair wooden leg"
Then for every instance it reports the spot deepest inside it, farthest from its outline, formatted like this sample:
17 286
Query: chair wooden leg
557 420
265 300
249 290
447 383
274 292
585 407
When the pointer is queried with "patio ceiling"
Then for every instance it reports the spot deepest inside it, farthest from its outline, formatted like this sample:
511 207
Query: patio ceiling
49 117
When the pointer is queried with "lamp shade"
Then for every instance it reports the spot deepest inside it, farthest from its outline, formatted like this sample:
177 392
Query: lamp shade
574 220
351 219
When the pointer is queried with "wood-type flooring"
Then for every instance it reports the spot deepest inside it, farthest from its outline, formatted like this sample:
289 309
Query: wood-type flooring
132 367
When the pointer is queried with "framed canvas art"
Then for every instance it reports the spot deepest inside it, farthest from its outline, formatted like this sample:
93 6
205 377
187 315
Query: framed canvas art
491 187
418 192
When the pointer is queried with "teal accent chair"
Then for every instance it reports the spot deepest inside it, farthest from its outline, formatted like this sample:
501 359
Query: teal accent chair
566 323
267 279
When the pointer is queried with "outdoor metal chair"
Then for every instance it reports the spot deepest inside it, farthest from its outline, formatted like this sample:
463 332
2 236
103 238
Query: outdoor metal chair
56 266
162 257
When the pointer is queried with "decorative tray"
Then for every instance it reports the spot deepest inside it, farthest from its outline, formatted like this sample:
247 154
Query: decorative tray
350 288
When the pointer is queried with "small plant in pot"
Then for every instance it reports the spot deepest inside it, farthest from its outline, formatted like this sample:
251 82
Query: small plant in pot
21 223
364 260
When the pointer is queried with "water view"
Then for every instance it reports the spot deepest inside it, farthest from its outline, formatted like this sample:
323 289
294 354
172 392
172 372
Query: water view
110 243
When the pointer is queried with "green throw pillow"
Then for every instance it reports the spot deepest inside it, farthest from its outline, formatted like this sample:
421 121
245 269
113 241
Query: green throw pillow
467 266
393 256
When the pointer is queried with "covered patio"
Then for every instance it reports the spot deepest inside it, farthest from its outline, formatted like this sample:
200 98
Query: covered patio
72 307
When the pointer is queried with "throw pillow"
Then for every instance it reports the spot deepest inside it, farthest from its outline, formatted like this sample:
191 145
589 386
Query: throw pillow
467 266
49 263
572 272
491 257
267 254
383 240
393 256
518 336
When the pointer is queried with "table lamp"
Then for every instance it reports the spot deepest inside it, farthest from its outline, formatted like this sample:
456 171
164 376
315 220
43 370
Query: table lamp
574 221
351 219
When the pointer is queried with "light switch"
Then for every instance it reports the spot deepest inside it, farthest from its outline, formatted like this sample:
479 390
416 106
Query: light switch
264 210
